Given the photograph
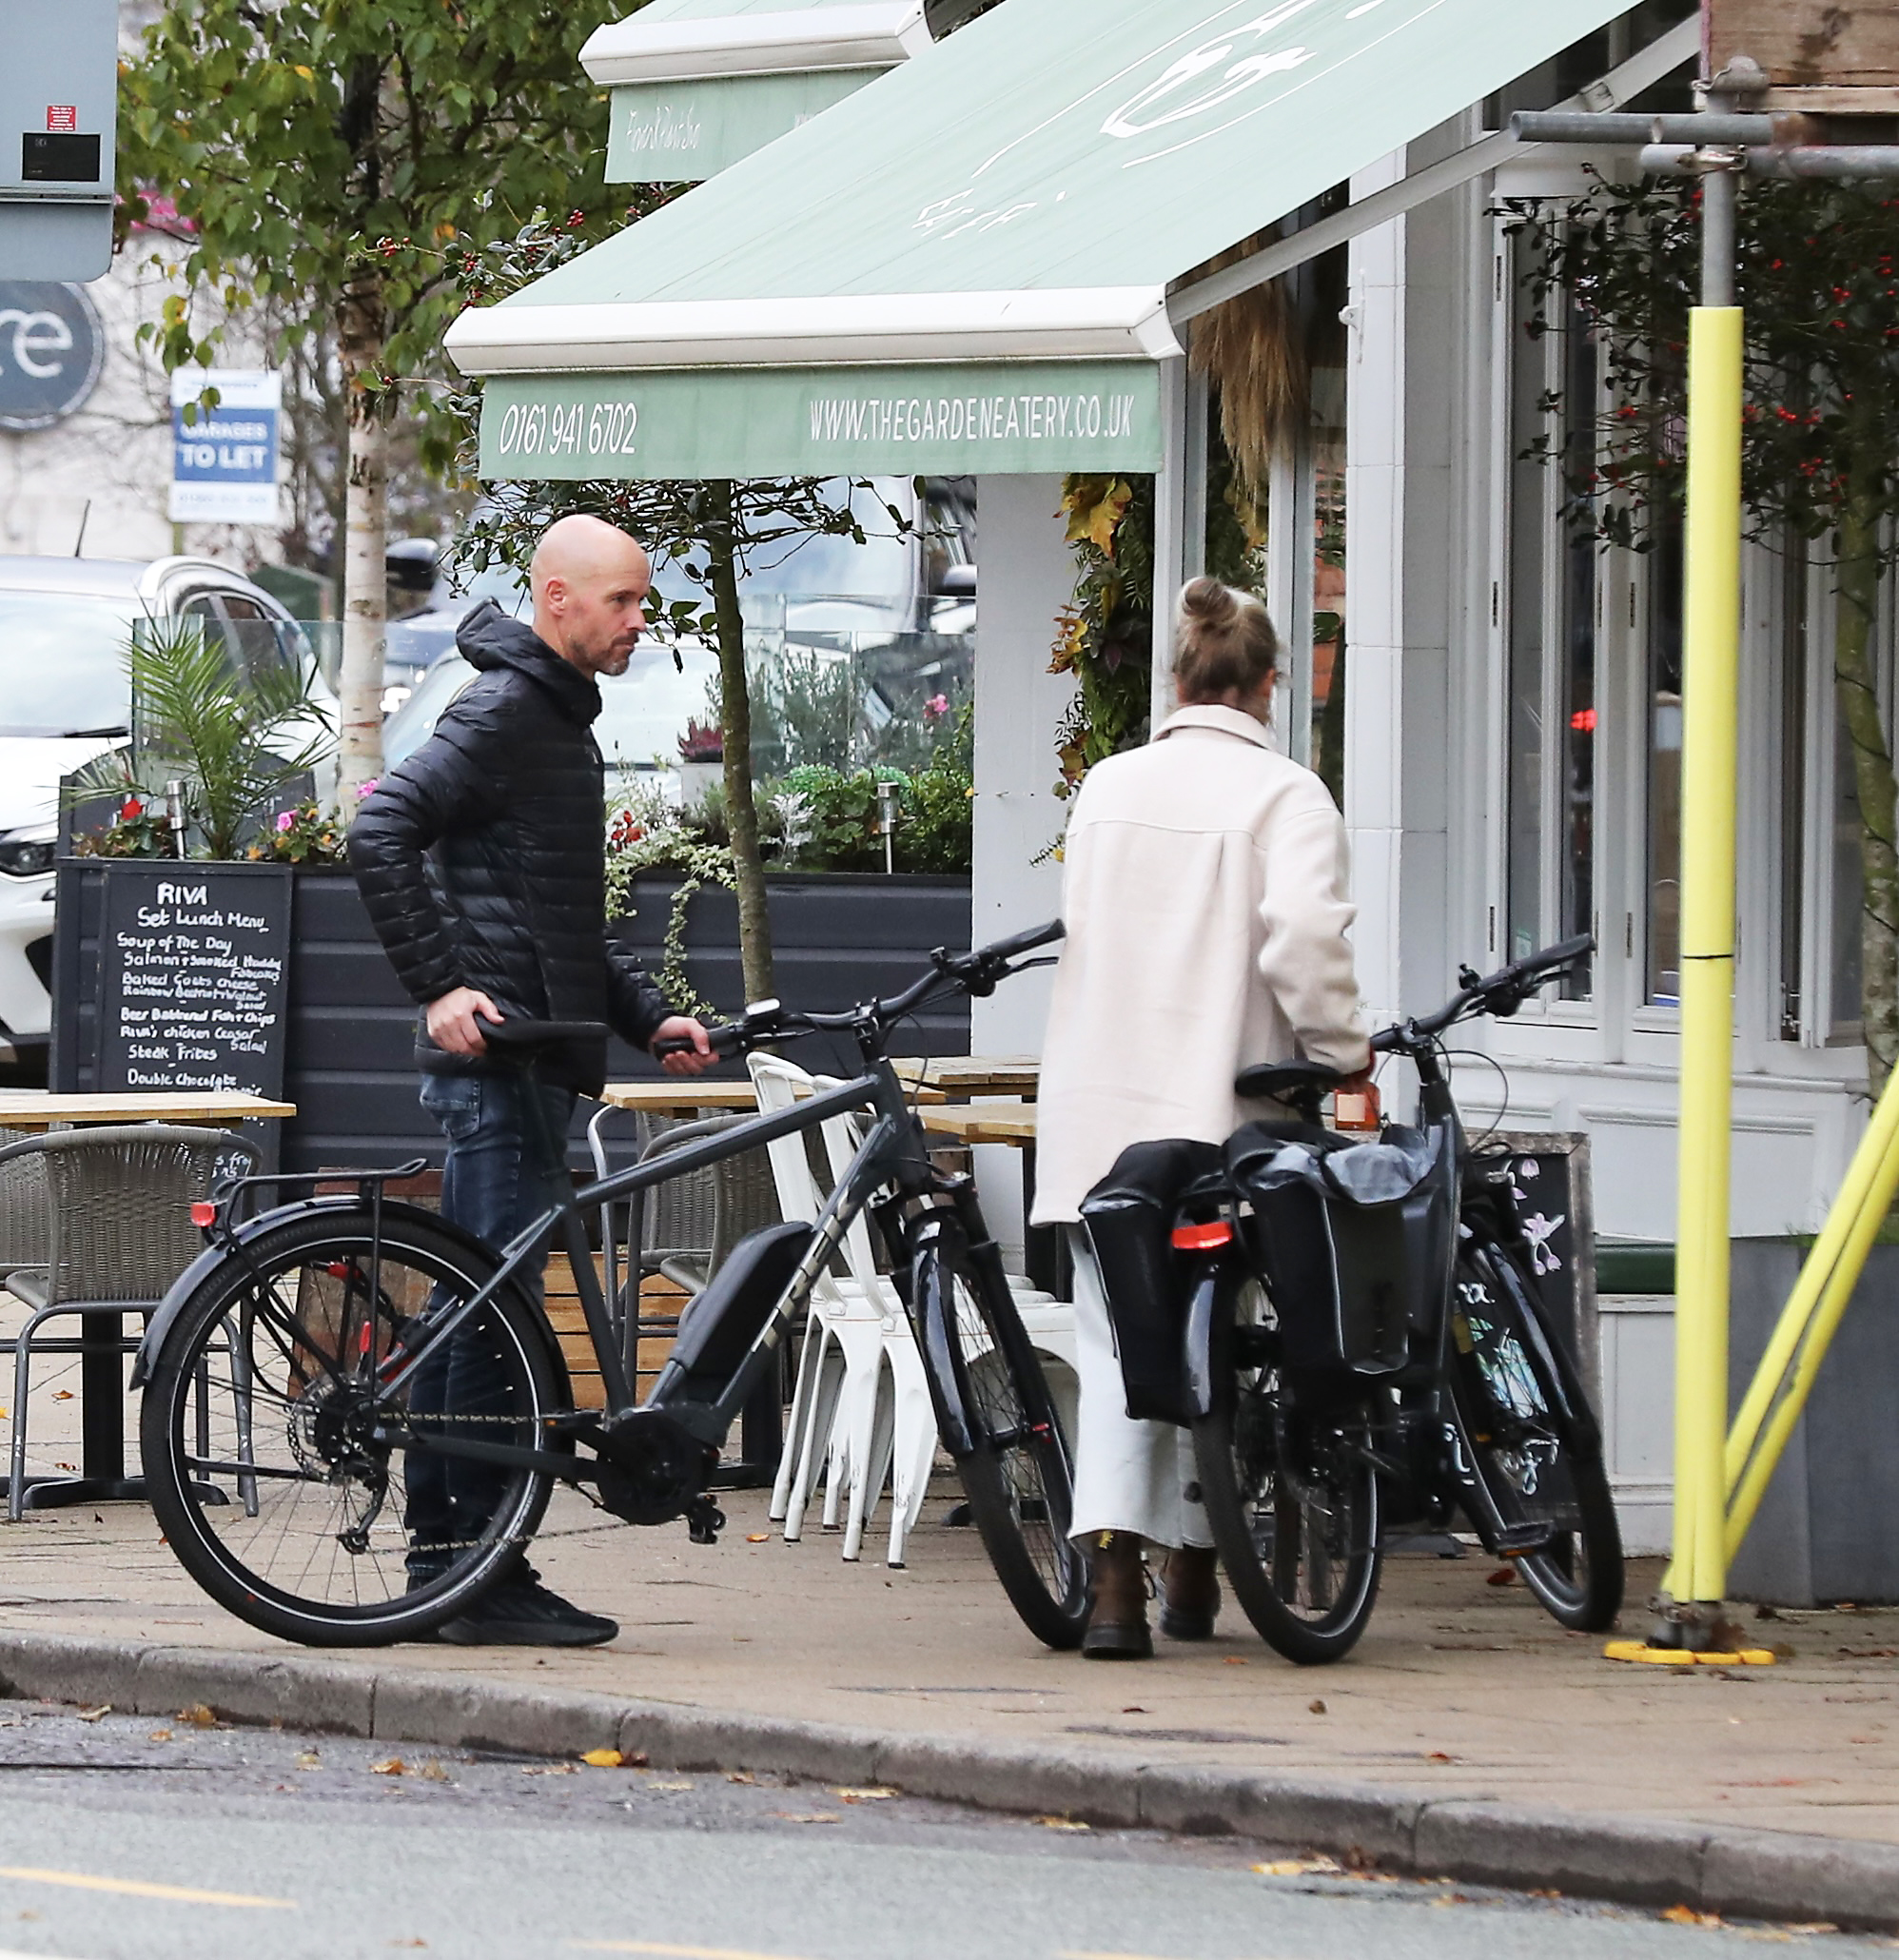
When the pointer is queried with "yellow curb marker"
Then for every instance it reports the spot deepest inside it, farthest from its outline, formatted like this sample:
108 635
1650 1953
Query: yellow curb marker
1680 1656
140 1888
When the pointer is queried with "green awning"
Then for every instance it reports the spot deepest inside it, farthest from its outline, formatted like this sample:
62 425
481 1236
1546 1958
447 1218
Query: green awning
683 132
782 422
697 85
1024 192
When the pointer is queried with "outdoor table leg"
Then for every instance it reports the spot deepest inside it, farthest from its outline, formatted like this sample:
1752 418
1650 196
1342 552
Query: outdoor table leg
102 1426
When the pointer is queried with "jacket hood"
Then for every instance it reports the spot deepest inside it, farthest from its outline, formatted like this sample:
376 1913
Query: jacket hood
488 639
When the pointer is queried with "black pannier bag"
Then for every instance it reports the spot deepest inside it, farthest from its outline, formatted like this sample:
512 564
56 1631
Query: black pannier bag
1129 1217
1354 1241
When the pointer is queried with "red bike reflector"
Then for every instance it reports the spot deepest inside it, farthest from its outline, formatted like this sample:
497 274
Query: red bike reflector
204 1214
1203 1238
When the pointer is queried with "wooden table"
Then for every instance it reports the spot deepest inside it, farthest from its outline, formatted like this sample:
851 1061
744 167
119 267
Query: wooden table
23 1109
985 1122
678 1095
102 1416
961 1077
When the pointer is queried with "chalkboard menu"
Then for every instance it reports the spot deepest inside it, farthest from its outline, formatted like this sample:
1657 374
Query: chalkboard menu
193 961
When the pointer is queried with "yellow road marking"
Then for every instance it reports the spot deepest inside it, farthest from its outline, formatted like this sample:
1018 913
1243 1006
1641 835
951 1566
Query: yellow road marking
140 1888
673 1953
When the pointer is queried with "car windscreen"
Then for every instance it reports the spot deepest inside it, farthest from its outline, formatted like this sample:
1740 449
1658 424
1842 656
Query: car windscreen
63 663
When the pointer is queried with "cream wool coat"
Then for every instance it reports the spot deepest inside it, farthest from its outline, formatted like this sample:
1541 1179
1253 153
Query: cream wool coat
1204 896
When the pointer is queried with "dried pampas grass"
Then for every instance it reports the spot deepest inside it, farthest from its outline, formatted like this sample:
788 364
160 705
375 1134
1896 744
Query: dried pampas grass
1253 350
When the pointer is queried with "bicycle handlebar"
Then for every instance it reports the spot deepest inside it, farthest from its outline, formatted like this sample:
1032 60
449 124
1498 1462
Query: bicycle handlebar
1499 993
978 971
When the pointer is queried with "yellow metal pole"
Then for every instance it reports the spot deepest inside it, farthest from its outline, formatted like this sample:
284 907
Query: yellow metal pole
1709 766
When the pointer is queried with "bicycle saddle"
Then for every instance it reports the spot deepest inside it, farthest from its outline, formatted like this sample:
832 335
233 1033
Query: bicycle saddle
1287 1082
532 1037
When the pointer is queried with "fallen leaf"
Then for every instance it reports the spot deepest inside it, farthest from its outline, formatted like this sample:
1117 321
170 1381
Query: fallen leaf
1687 1915
1236 1660
61 1395
603 1758
408 1943
198 1716
757 1538
1437 1756
432 1771
93 1715
670 1786
1503 1576
306 1759
160 1735
389 1766
66 1467
807 1817
550 1770
741 1776
1314 1708
1295 1868
1136 1709
1062 1824
635 1759
874 1792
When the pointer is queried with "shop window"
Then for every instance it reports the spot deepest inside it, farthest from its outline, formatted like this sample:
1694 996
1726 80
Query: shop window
1550 631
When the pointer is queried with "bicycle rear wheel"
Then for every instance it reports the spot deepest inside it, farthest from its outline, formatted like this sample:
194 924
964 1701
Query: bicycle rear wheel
1290 1489
1016 1474
1532 1441
301 1494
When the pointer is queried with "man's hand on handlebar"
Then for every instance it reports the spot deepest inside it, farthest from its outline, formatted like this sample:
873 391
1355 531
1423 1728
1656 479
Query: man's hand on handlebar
682 1047
454 1020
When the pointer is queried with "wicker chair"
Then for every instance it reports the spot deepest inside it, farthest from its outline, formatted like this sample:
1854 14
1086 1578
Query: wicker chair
24 1227
118 1232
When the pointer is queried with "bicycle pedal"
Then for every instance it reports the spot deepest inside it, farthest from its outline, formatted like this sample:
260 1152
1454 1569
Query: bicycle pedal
1518 1540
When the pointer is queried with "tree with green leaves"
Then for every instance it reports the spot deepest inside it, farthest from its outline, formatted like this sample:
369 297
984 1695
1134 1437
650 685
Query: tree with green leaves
1818 280
343 162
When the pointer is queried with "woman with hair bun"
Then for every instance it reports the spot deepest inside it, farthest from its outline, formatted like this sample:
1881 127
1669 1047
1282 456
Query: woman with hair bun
1204 893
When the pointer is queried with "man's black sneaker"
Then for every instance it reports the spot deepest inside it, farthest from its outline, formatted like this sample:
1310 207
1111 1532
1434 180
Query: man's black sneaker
524 1614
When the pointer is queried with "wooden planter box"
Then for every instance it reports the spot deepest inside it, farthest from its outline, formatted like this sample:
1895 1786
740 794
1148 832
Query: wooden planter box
349 1063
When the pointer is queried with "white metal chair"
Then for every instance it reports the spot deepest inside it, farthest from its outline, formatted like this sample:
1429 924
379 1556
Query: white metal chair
841 1357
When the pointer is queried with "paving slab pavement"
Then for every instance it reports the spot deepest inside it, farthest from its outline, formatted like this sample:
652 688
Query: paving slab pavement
1461 1690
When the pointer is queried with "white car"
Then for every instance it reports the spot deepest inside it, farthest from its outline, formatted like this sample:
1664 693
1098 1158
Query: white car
63 698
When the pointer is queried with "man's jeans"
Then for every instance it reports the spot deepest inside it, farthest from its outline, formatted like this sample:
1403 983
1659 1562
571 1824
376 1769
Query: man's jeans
491 1186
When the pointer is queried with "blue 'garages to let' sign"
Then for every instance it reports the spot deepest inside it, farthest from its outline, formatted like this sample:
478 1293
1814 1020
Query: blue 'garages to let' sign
223 458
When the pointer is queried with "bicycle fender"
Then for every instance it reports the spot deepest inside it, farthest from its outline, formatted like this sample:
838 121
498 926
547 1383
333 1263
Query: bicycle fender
1585 1433
933 1307
1207 1299
231 1243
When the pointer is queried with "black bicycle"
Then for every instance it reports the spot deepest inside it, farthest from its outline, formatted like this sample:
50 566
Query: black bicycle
324 1363
1365 1350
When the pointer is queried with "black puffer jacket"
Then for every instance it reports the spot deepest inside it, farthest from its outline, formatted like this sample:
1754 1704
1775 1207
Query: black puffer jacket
480 859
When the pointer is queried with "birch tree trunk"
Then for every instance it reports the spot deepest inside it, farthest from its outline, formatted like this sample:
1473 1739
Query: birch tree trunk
741 810
1856 682
360 334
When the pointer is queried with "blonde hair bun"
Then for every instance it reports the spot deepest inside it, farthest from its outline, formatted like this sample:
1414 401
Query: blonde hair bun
1224 643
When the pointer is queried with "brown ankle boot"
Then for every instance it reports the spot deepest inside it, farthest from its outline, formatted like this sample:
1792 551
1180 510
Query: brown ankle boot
1118 1610
1189 1598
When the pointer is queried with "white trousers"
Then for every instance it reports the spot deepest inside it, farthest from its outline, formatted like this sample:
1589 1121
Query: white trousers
1129 1476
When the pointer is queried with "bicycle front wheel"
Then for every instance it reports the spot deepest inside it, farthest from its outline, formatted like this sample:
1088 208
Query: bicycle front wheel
1533 1441
1290 1489
1015 1474
302 1494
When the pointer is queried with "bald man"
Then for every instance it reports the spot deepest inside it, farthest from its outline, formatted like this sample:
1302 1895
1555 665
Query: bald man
481 861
